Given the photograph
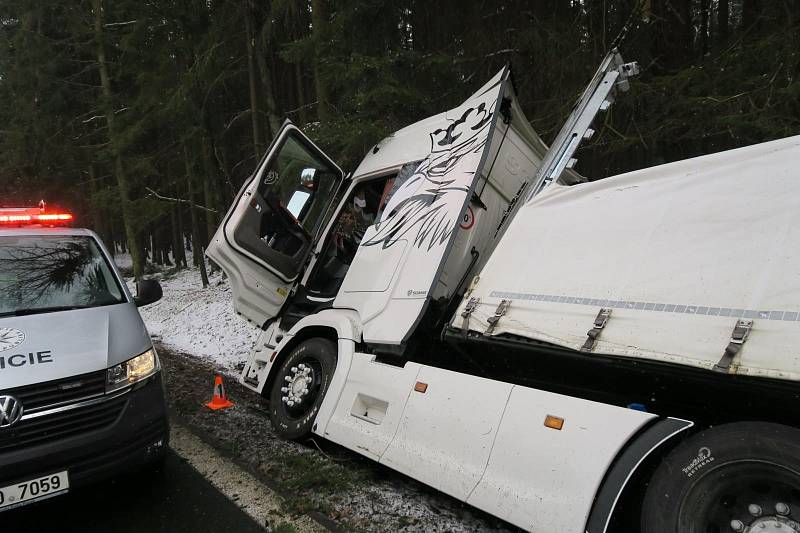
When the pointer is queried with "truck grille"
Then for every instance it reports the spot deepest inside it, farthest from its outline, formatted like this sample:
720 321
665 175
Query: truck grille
61 424
60 391
66 421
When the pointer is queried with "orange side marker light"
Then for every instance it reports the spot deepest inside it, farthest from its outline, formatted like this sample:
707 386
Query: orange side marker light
554 422
421 387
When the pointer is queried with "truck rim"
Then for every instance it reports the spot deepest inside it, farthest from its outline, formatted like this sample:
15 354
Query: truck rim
745 497
302 384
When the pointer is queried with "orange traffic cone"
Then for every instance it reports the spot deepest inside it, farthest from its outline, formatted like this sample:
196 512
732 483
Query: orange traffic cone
220 399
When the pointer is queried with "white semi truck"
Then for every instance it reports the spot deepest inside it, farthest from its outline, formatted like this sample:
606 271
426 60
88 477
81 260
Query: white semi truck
616 355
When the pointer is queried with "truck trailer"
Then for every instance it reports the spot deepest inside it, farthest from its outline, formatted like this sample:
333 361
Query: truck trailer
567 355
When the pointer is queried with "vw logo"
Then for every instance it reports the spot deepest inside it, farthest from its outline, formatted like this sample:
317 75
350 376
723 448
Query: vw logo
10 338
10 411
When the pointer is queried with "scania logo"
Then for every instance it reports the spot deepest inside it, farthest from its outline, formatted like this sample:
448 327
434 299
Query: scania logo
10 338
10 411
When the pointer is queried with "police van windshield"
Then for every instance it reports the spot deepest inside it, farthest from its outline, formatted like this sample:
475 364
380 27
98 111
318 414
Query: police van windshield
44 273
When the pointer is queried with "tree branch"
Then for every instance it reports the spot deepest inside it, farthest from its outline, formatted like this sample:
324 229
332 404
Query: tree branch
112 24
178 200
503 51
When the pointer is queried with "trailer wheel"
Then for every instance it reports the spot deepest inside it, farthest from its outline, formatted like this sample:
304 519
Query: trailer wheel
300 386
742 478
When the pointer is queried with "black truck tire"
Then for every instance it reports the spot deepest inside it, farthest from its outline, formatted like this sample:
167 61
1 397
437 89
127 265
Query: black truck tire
730 478
294 402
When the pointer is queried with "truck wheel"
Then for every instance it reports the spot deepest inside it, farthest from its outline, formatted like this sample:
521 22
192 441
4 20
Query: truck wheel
299 387
742 477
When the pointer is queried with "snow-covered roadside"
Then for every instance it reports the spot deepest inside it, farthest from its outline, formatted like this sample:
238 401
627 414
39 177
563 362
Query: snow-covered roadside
196 321
123 261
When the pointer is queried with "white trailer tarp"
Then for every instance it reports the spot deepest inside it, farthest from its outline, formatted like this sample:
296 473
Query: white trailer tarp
678 252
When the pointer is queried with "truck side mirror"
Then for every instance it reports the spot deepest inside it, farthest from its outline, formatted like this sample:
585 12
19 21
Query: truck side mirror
147 292
308 178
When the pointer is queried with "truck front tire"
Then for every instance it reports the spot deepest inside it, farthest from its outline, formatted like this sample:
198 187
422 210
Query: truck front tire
731 478
300 386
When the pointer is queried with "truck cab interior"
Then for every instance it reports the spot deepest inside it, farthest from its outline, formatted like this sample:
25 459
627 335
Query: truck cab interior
363 207
360 209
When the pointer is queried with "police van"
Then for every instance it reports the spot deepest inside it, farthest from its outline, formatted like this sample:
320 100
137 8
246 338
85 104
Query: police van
81 393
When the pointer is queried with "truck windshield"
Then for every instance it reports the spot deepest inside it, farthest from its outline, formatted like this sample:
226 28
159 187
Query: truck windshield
44 273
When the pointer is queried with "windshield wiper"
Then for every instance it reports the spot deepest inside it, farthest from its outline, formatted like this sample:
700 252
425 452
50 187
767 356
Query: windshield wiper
36 310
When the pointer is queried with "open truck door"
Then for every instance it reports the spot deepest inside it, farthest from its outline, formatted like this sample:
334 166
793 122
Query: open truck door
266 236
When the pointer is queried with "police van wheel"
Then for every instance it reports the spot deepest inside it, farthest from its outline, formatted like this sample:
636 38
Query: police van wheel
733 478
300 386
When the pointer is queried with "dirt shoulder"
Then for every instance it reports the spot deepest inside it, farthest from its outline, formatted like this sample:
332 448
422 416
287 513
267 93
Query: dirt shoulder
339 490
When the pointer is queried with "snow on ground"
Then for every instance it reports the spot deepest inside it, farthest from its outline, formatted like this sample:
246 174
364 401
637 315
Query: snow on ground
197 321
123 261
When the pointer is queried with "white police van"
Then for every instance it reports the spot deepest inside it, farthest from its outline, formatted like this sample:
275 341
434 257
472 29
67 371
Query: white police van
81 396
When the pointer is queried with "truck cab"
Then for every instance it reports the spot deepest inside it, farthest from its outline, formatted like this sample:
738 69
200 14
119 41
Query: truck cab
395 243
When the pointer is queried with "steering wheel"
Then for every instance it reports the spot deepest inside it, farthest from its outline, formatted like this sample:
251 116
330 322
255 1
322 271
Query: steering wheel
283 217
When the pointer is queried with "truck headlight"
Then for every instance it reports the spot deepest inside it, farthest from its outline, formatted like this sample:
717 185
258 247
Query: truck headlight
140 367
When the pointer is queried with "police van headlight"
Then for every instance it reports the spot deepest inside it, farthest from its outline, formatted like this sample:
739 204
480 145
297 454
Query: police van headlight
133 370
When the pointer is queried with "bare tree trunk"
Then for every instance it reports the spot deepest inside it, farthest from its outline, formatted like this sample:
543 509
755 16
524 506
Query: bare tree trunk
155 246
751 14
99 217
122 179
673 32
722 19
319 22
252 77
209 187
704 7
267 86
197 251
301 98
178 249
165 243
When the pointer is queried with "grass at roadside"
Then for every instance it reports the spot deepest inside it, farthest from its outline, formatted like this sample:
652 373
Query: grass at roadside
283 528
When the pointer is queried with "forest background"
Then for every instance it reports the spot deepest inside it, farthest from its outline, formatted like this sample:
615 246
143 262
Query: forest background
144 117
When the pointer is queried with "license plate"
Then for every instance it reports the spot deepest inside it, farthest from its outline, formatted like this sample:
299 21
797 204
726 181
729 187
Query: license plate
26 492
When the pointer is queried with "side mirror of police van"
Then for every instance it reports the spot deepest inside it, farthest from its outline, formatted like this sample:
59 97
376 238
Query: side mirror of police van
147 292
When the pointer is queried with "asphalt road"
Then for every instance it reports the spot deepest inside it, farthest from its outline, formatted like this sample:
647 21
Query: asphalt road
174 498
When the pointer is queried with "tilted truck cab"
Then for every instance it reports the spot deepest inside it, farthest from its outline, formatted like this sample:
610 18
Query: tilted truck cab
399 242
375 336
